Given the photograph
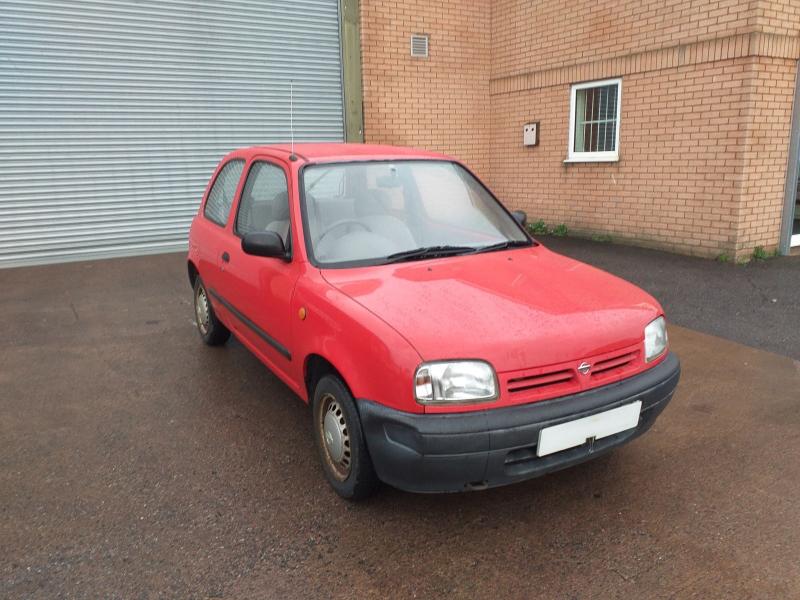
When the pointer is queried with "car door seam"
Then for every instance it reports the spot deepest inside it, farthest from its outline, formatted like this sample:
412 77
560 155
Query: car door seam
281 349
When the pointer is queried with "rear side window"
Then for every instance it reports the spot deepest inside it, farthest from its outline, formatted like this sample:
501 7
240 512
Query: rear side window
220 198
265 202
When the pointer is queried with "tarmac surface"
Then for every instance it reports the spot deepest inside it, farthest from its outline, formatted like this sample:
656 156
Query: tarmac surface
135 462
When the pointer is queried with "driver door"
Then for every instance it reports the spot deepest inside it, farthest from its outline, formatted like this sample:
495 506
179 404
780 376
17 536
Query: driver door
259 288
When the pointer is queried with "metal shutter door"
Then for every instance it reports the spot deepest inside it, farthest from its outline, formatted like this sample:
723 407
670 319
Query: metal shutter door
114 113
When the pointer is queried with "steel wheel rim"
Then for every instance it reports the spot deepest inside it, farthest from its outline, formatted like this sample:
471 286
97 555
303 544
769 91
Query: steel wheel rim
201 310
335 435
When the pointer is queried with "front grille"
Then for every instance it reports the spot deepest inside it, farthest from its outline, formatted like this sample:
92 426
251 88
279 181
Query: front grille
530 385
613 365
548 382
520 384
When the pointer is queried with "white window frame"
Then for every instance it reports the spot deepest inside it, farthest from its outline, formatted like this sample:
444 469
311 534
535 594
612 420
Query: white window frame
610 156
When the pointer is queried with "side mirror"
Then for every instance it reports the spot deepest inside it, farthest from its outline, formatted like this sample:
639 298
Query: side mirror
520 217
264 243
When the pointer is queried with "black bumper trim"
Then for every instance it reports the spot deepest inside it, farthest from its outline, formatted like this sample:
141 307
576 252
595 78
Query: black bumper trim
453 452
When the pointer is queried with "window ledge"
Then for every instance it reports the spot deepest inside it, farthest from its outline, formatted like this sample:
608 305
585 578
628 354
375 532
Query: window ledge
591 159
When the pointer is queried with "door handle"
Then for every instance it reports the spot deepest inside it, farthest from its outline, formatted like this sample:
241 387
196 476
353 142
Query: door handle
226 257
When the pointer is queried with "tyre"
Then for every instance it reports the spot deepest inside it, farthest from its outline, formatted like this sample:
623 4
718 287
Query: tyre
213 332
340 440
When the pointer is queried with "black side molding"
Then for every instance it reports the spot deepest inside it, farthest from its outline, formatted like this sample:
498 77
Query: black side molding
283 350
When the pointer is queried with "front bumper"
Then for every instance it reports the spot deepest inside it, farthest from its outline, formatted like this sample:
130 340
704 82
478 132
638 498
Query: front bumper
474 450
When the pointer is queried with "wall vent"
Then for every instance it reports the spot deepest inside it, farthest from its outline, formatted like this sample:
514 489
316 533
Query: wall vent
419 45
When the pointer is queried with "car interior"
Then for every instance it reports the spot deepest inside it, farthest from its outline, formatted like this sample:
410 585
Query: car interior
350 228
371 210
265 202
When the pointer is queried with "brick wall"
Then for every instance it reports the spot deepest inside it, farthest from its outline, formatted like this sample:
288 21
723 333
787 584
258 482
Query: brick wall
440 103
706 108
765 153
534 35
675 185
778 16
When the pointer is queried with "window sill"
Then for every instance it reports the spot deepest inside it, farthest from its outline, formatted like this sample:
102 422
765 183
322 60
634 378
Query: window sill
591 159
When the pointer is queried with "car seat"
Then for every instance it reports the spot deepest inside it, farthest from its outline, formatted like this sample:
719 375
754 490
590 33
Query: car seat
279 217
371 210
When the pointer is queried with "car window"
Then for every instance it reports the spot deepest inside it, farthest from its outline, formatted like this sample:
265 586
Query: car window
450 197
265 201
220 198
366 212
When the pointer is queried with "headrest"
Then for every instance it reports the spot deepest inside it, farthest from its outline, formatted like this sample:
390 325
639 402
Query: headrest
371 203
280 207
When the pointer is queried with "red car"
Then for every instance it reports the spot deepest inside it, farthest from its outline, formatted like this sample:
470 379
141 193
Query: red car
440 346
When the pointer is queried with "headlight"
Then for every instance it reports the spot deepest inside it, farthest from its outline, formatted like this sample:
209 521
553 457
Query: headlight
454 382
655 339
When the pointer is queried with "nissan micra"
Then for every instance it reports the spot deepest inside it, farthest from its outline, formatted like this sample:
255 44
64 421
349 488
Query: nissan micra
440 346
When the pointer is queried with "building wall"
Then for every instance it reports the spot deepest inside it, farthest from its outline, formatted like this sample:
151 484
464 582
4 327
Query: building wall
675 185
544 34
706 112
706 109
765 153
440 103
778 16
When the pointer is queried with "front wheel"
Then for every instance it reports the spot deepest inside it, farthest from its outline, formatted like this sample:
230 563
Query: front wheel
213 332
340 440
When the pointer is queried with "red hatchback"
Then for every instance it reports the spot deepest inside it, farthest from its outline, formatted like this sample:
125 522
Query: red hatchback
441 347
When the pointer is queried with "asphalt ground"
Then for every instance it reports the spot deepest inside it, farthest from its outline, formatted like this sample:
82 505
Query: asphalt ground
136 463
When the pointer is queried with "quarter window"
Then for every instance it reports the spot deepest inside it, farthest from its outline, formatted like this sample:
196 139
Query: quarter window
220 198
265 202
594 121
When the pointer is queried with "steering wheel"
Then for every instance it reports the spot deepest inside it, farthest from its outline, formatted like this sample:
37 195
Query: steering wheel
342 223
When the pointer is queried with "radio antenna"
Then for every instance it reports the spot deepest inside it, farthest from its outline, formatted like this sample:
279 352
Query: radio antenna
291 117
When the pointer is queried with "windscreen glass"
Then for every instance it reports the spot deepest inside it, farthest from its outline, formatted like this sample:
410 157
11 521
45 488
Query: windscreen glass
370 212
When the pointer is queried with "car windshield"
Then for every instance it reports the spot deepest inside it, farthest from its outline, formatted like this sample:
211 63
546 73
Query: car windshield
360 213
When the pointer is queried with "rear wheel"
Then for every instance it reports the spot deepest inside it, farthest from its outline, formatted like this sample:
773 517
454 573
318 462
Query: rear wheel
340 440
213 332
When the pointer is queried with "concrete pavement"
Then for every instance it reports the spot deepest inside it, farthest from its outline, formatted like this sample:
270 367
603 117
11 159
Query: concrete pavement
136 462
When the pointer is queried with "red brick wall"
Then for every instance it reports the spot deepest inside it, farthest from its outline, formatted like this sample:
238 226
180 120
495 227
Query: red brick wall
706 108
675 185
765 152
440 103
778 16
534 35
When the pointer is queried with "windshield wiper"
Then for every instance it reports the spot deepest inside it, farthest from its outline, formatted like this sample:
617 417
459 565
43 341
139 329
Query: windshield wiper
427 252
501 246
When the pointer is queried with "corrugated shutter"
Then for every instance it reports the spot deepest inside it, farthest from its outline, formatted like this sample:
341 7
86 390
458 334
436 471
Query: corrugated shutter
114 113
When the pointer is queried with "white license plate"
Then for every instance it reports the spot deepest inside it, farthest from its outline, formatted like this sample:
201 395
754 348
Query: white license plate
577 432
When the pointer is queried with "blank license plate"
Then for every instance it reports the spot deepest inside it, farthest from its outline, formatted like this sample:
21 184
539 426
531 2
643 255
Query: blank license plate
577 432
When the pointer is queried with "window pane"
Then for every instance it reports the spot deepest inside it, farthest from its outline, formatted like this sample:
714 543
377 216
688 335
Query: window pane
382 208
265 202
596 119
610 138
580 129
596 137
601 137
220 198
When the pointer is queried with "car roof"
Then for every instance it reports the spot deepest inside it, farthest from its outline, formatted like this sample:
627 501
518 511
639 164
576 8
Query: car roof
331 152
